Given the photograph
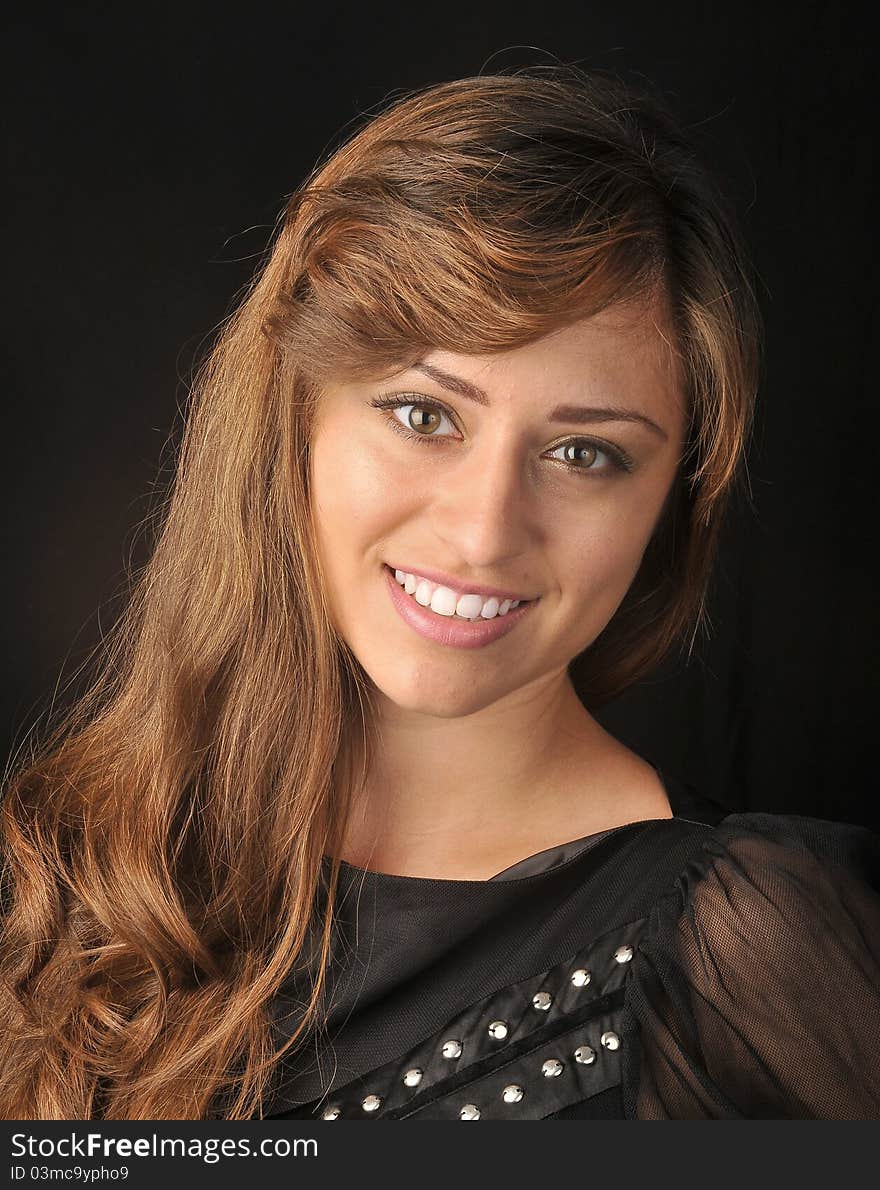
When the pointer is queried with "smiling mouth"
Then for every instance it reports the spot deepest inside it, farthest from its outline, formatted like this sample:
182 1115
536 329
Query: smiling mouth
449 628
447 603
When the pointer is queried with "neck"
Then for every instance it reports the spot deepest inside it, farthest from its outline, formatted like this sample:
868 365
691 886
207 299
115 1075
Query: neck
452 793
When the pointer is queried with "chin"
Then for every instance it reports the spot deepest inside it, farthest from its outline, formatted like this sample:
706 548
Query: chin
423 695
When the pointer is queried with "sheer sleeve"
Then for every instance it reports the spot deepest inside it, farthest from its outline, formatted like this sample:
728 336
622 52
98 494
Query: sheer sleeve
755 992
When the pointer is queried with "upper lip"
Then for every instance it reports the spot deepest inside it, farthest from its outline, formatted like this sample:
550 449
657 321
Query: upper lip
460 586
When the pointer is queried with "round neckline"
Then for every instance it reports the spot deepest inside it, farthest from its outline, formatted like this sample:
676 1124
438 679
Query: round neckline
683 800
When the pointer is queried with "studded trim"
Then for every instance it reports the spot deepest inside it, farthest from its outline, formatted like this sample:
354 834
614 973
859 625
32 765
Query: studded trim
527 1051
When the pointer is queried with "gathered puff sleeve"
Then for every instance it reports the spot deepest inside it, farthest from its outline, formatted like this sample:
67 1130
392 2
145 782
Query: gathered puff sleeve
755 990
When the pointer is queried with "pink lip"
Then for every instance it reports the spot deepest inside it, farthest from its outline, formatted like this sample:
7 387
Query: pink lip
446 630
462 588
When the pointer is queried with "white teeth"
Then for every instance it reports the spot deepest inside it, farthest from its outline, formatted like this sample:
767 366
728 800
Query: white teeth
470 606
445 602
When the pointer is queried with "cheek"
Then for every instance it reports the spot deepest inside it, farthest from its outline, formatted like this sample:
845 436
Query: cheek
357 492
600 553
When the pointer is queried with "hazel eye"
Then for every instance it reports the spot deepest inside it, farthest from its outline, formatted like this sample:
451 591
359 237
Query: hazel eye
419 420
423 419
581 456
580 452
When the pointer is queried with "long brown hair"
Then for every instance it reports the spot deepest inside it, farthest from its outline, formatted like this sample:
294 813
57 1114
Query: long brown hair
164 848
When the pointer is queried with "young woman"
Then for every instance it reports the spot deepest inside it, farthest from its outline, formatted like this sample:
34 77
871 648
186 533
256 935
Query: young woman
335 835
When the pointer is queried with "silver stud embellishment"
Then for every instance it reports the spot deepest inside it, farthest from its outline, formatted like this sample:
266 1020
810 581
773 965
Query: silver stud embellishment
552 1068
512 1093
413 1077
610 1040
451 1049
585 1054
498 1030
623 954
542 1001
330 1113
581 977
370 1102
470 1111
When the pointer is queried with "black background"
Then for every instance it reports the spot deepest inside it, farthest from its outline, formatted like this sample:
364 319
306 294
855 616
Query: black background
151 150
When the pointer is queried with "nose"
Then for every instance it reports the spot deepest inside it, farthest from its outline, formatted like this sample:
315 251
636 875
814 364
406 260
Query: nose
482 508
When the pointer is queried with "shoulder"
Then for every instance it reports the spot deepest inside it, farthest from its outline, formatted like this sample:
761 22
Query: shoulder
763 849
836 843
780 854
758 972
758 878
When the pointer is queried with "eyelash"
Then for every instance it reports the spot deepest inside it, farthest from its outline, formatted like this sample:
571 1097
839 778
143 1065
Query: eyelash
620 460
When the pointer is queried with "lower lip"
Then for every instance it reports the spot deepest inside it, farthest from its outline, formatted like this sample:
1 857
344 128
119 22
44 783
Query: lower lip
446 630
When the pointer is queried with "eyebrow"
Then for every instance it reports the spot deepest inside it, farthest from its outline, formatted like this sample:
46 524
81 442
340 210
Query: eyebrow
580 415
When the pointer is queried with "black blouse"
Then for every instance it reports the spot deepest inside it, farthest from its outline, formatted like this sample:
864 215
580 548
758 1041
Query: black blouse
710 966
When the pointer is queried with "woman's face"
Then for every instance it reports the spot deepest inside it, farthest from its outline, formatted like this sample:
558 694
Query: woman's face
540 471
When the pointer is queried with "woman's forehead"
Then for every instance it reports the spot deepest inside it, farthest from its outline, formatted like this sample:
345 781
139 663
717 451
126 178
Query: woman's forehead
625 353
